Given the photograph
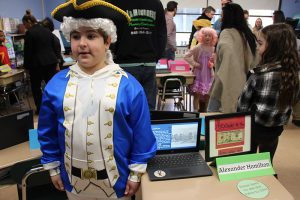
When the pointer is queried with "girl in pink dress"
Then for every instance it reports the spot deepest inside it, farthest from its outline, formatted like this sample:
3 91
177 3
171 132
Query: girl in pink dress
200 58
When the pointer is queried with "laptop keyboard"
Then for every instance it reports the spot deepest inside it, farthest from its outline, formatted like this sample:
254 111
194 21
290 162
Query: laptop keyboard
177 160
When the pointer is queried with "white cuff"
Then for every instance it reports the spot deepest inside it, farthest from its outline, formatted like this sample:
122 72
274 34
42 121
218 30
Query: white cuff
54 172
136 172
135 176
51 165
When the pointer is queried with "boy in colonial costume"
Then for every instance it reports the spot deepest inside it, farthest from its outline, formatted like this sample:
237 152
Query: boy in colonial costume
94 123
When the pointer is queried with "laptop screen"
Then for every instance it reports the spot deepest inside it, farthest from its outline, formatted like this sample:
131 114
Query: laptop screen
179 134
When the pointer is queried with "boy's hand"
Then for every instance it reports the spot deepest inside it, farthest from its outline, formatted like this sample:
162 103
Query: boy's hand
131 188
56 180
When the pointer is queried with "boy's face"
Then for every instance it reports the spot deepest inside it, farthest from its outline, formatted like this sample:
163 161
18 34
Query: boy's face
89 49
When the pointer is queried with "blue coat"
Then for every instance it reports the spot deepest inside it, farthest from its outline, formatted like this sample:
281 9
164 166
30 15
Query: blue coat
133 140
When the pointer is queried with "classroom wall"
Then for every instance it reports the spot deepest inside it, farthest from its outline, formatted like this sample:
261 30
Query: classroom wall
16 8
49 6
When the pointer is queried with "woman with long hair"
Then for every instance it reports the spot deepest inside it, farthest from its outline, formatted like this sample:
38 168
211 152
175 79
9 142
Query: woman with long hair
257 27
235 57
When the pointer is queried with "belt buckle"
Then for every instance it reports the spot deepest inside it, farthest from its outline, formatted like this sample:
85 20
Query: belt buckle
89 174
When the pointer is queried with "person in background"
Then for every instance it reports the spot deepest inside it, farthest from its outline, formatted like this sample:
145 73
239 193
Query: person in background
171 30
278 17
141 45
4 58
199 57
273 88
246 16
198 24
207 14
257 27
39 56
236 53
94 123
48 23
218 23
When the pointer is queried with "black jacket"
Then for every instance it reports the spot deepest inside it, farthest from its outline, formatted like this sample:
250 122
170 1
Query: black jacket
145 38
39 47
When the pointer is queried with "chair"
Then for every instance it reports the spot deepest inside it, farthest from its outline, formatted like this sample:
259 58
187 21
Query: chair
18 90
34 182
172 88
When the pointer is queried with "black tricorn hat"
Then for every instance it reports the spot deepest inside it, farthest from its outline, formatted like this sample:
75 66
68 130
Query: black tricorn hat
89 9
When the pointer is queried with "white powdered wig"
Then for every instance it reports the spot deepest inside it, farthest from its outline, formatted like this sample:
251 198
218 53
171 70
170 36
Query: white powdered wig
70 24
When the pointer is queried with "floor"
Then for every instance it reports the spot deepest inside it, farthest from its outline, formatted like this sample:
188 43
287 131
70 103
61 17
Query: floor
286 160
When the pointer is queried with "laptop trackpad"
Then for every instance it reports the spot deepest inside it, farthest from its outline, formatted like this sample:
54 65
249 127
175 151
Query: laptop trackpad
180 171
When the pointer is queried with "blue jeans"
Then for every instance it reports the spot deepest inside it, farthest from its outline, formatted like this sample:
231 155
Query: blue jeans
147 78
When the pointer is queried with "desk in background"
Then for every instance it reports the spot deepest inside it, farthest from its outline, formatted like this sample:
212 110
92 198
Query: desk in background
11 77
206 188
189 76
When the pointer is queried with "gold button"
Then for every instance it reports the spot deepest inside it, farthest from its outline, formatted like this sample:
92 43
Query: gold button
68 95
67 133
70 84
66 108
114 84
110 110
89 133
139 175
66 122
109 135
90 161
67 156
112 96
89 143
89 153
115 176
112 168
67 145
109 146
109 123
90 122
110 158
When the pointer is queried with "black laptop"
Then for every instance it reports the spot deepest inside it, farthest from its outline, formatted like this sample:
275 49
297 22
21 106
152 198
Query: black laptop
178 143
14 128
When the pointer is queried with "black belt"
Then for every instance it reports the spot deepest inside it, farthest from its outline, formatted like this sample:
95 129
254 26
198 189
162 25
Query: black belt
89 173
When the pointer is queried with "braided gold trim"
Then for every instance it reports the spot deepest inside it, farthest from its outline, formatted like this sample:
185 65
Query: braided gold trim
90 4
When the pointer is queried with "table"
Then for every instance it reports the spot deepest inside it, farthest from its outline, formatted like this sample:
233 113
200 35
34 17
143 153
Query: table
11 77
206 188
10 156
17 153
189 76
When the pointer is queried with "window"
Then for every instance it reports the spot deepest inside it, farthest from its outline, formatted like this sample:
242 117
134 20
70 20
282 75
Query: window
185 16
